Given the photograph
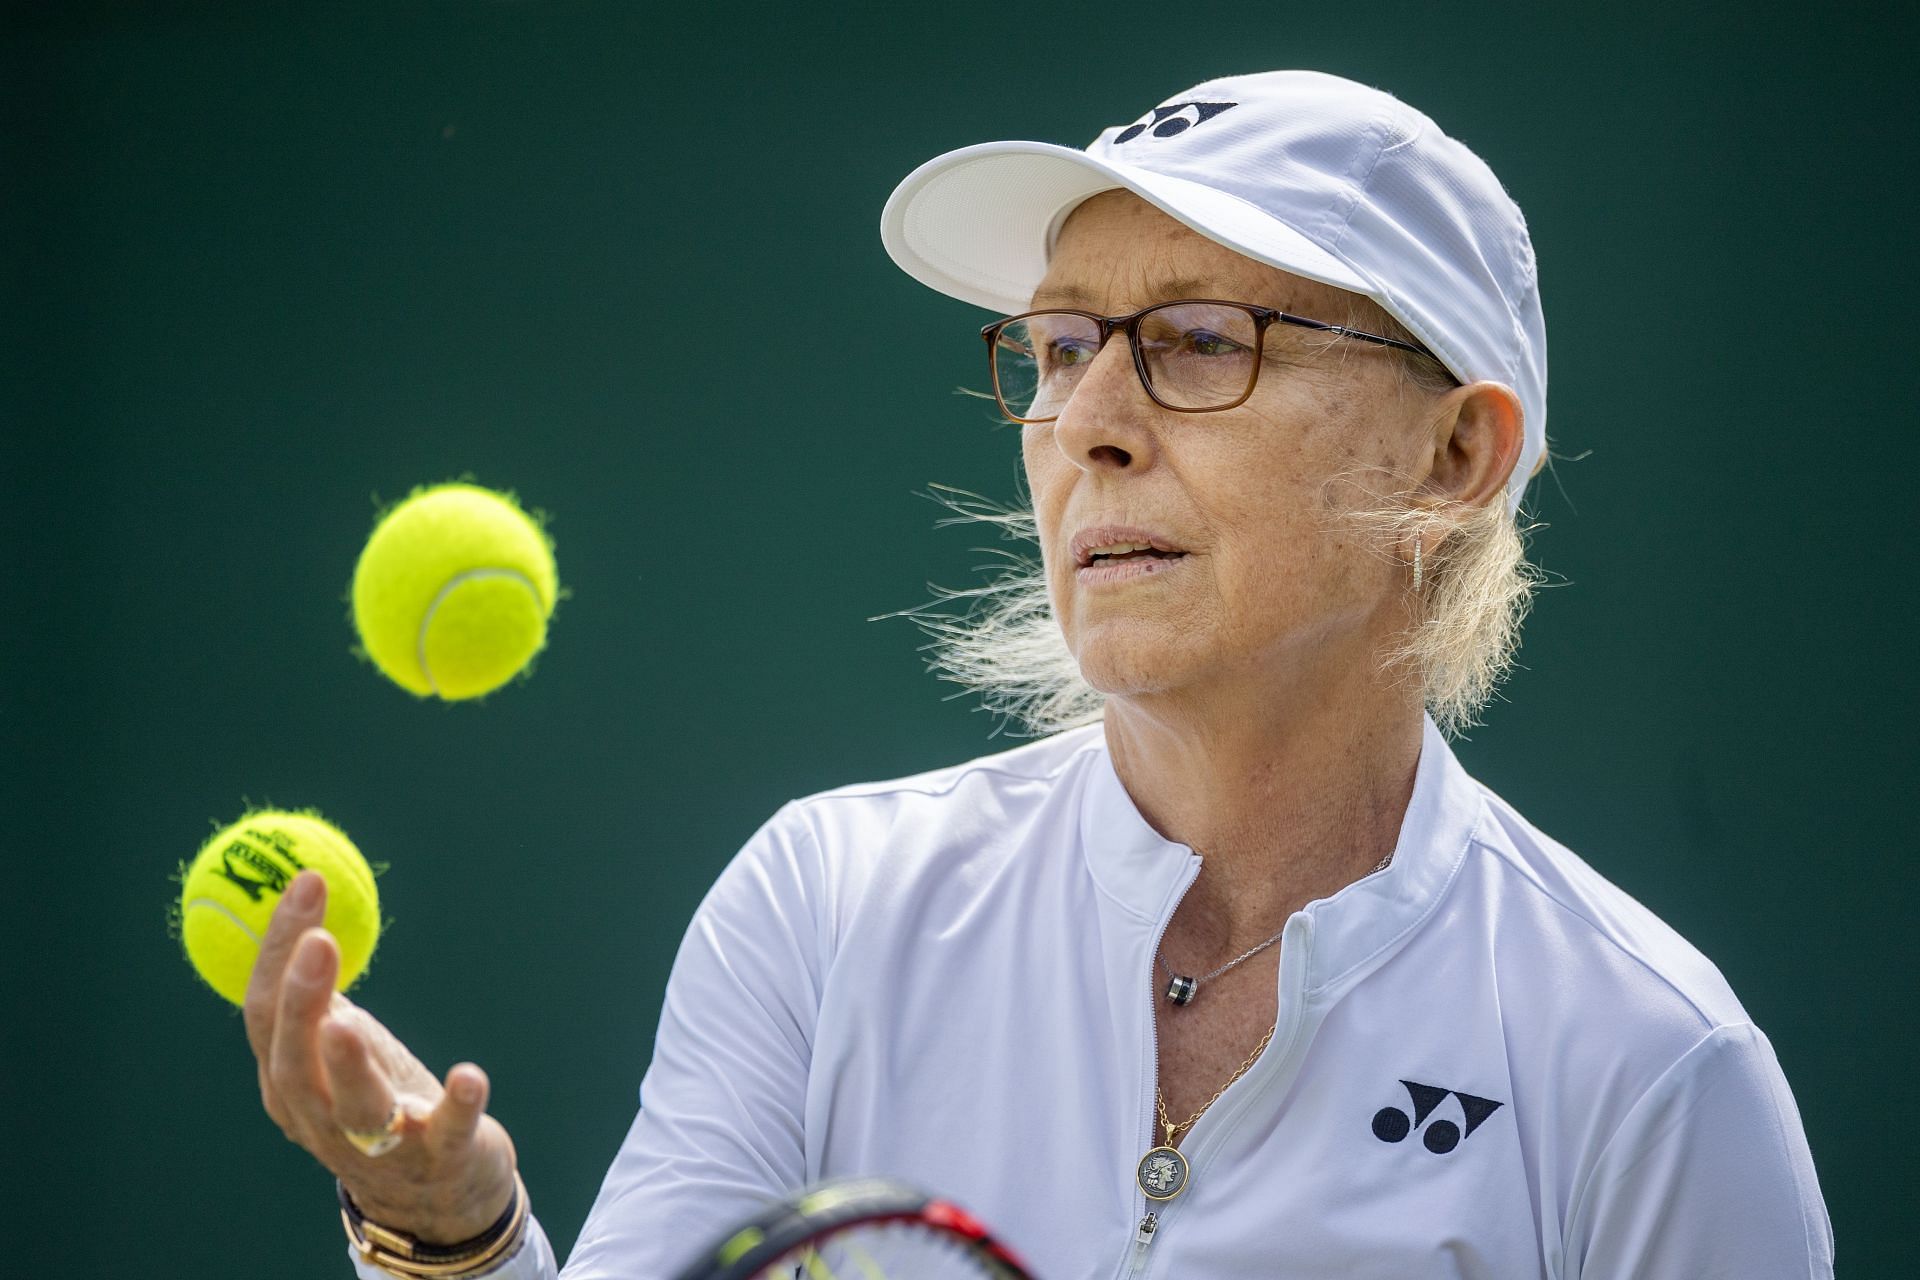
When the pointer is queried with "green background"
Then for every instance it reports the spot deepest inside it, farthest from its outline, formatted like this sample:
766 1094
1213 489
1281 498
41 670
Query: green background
265 266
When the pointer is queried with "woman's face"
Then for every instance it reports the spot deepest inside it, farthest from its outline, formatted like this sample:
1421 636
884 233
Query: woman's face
1253 577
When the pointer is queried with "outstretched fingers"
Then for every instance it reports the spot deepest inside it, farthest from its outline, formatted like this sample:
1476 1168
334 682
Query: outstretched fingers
294 1069
302 906
417 1156
363 1099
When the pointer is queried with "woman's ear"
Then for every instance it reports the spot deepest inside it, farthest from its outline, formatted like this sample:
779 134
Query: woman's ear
1476 444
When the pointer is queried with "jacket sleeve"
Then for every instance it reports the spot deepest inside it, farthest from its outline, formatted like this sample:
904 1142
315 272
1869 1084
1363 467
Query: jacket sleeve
719 1131
1708 1177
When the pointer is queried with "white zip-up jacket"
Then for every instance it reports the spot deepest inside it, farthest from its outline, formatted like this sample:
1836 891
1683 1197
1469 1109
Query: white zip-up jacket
1489 1062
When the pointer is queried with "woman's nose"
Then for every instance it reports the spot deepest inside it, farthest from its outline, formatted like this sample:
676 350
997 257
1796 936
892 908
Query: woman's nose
1106 424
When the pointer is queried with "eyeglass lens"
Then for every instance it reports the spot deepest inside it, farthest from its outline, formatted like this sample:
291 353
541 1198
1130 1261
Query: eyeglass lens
1197 356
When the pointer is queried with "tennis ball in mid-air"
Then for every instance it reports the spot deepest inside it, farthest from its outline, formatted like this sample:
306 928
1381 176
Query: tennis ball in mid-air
231 887
453 592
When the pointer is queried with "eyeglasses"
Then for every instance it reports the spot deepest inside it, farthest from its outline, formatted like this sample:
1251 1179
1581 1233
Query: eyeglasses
1193 355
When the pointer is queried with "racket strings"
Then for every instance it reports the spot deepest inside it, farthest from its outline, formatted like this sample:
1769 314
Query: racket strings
883 1251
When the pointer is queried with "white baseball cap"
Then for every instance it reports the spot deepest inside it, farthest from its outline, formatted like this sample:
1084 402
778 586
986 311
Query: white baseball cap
1304 171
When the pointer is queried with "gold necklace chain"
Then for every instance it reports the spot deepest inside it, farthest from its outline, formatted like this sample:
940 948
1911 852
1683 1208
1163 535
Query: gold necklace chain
1160 1098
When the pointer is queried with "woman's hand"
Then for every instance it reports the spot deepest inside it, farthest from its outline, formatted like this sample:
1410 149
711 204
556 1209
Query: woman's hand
328 1067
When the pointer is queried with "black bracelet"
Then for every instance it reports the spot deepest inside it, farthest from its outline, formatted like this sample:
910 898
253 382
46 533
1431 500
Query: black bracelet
420 1251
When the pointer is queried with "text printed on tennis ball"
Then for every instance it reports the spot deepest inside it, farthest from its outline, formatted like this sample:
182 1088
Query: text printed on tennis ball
235 881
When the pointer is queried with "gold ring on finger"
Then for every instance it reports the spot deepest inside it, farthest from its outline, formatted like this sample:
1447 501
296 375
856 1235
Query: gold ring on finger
376 1142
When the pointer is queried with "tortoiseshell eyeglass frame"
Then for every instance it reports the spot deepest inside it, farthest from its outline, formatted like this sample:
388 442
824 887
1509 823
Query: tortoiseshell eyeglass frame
1263 319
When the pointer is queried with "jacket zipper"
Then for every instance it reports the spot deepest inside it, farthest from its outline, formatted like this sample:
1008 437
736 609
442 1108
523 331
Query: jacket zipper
1282 1051
1149 1225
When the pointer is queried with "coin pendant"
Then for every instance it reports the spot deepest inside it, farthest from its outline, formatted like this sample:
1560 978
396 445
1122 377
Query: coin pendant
1162 1174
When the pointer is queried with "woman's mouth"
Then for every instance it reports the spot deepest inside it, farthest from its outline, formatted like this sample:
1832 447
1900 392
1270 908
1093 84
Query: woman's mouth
1109 555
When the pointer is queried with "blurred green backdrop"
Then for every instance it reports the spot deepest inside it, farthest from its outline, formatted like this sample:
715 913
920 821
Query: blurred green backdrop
267 264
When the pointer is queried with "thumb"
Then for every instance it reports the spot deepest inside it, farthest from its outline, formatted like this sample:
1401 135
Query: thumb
456 1118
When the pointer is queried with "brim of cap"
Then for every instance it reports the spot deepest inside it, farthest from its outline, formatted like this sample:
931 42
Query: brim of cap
979 224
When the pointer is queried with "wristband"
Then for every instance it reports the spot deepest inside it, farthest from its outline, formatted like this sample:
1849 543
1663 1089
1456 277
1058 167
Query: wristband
401 1255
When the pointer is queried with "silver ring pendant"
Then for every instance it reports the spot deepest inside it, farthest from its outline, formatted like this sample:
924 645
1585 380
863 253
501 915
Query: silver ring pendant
1182 990
1162 1174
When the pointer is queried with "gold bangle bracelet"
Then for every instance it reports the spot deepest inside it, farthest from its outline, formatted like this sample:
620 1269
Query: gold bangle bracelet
399 1254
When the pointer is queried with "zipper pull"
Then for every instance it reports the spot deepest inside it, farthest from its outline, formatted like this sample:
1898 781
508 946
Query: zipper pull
1148 1225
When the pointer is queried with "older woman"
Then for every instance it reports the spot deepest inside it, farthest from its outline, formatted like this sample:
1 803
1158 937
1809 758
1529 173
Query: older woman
1248 977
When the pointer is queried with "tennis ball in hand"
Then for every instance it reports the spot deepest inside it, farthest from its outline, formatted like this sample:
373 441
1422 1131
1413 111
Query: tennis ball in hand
231 887
453 592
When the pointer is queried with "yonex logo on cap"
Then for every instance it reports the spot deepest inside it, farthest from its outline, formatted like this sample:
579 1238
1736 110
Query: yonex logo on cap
1173 119
1391 1124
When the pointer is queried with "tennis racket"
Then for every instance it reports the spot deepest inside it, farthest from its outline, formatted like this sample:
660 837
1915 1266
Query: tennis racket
859 1229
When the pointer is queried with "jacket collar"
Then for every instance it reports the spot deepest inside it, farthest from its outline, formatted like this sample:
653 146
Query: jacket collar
1354 929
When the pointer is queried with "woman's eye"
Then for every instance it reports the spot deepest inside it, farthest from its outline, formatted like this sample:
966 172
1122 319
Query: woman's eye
1203 343
1067 355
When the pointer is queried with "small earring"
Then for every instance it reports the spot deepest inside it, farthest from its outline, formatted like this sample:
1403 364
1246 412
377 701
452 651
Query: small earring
1416 566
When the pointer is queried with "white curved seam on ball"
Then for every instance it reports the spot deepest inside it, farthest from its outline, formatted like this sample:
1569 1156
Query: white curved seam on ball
446 589
226 911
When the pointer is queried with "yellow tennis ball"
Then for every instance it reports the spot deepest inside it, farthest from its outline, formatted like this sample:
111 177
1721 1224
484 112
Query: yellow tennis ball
231 887
453 592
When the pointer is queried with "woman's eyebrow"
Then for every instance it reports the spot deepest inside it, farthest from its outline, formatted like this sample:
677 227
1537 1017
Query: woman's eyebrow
1074 295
